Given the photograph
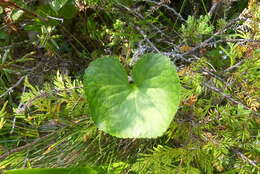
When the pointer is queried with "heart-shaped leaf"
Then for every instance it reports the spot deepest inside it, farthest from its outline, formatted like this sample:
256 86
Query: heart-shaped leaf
143 108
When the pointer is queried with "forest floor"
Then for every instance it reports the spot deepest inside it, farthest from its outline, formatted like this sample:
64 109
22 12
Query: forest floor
45 47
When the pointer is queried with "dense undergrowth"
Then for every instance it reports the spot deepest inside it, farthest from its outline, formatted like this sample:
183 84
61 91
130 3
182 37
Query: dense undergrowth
46 46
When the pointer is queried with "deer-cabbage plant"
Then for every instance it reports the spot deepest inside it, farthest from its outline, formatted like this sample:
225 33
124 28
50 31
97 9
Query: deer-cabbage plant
142 107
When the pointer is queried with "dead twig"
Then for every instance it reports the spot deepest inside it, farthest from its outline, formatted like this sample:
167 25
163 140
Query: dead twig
207 41
177 56
227 96
214 7
244 158
234 66
161 4
147 39
18 149
10 90
15 44
138 15
239 41
43 94
207 72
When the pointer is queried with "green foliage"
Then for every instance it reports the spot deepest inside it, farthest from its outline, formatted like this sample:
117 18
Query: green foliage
50 171
174 160
45 104
85 170
45 118
92 2
45 110
2 115
232 52
195 29
142 108
250 66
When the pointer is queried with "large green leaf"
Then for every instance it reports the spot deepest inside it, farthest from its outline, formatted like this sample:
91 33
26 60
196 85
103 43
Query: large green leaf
141 109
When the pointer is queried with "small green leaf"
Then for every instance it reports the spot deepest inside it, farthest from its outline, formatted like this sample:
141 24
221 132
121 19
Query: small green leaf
56 5
141 109
17 14
1 10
